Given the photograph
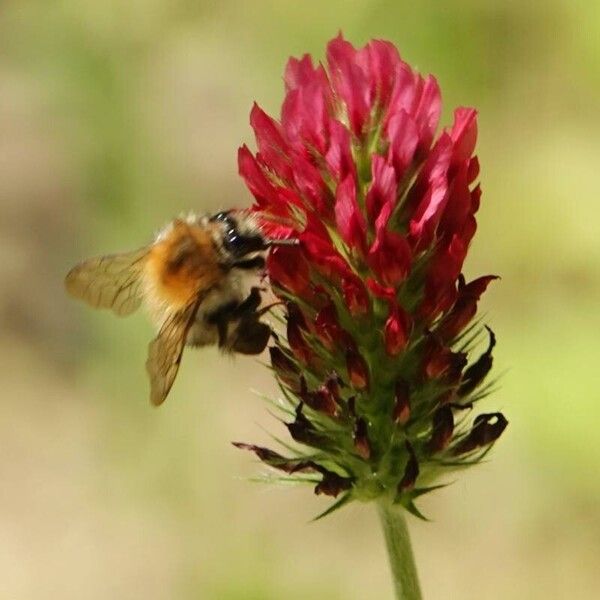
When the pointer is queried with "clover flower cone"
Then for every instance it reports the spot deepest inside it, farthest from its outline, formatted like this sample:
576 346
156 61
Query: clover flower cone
375 364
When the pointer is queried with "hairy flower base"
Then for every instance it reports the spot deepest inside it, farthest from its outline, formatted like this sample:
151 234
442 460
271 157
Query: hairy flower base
375 365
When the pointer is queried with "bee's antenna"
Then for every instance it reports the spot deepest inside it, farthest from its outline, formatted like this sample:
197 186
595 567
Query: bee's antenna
287 242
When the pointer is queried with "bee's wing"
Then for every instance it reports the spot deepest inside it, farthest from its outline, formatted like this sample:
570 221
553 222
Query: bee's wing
165 350
113 281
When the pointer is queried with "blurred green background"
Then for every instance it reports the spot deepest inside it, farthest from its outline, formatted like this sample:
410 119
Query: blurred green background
115 116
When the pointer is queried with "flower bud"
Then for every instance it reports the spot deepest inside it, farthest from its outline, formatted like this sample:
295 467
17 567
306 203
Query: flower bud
358 371
401 413
396 330
355 296
361 439
332 484
333 383
327 327
321 400
381 291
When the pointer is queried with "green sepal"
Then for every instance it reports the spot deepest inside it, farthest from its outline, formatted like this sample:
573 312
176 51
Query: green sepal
425 490
469 336
335 506
283 479
406 499
409 505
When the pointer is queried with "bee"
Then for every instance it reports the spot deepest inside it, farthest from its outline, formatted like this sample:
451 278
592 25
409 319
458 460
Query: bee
193 281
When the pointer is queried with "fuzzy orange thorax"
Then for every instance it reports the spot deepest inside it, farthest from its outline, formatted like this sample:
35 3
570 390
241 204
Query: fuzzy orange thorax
183 264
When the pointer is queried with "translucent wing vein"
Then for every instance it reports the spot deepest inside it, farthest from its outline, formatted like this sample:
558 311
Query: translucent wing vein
165 350
113 281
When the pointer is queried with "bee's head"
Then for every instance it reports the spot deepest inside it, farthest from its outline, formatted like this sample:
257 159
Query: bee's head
240 236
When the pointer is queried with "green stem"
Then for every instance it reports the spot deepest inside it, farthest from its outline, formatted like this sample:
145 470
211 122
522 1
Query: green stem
402 562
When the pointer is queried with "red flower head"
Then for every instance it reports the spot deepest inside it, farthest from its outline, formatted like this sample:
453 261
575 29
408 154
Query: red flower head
384 208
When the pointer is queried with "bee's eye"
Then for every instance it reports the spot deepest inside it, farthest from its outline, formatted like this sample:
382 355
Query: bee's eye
221 216
240 245
233 239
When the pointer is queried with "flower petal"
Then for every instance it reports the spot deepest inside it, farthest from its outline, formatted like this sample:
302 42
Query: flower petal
440 285
304 114
273 149
348 217
464 308
464 134
349 82
383 188
382 62
289 269
271 198
432 188
320 251
403 136
339 154
390 257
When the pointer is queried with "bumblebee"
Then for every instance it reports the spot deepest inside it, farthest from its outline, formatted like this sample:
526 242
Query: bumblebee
193 279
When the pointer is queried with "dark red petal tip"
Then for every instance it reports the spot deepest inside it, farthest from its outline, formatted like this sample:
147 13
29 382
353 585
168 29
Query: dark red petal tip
442 429
411 471
487 428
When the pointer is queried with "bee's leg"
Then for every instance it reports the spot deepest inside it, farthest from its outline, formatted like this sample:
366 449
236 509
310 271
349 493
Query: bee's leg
220 318
249 305
233 311
221 313
250 264
249 336
252 337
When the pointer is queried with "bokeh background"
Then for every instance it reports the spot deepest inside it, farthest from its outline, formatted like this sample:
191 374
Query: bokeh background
115 116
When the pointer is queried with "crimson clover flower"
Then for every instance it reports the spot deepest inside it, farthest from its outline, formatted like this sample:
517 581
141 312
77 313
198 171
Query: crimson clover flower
376 362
